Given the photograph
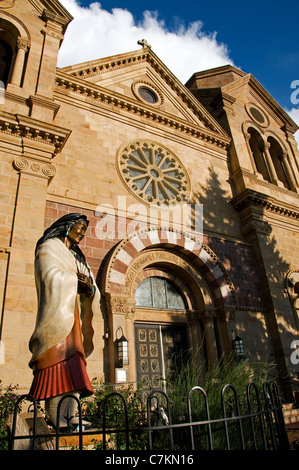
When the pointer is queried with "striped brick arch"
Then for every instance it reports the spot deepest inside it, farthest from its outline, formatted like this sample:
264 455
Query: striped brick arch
199 255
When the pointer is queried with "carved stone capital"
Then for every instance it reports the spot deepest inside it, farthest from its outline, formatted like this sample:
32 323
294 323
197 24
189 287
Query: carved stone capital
267 145
121 305
23 43
32 167
247 135
207 314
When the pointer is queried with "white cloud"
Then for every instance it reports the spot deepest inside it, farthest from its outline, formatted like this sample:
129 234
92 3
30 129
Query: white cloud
95 33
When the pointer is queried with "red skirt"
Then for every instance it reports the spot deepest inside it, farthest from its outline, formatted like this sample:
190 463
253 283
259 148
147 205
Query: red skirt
62 369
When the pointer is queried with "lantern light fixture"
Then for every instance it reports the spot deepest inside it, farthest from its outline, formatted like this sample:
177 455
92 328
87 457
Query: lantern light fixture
122 348
238 345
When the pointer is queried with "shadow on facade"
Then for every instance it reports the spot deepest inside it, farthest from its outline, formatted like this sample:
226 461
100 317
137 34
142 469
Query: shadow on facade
257 270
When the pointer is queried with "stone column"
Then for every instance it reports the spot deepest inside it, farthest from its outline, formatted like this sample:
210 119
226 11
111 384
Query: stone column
130 336
289 173
207 316
22 45
196 337
32 160
270 165
223 316
20 297
247 138
261 160
121 313
293 154
52 40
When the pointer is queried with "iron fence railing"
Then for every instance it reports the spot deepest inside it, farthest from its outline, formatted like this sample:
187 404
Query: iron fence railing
261 427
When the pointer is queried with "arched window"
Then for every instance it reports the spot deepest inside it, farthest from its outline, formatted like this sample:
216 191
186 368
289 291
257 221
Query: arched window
270 159
276 153
160 293
14 44
6 55
257 149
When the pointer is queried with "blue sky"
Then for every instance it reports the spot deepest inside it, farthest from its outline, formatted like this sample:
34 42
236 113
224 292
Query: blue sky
260 37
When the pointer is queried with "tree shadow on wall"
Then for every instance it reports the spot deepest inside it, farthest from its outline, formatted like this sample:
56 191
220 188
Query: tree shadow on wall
255 265
218 215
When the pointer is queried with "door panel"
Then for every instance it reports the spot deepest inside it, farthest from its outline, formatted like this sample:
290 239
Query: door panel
156 347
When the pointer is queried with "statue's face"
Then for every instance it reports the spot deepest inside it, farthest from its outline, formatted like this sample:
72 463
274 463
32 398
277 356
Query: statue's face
77 232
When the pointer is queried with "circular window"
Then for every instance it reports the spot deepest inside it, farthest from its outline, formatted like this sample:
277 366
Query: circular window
153 173
147 93
257 114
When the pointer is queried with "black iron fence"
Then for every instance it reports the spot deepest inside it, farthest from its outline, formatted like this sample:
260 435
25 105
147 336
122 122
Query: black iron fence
259 425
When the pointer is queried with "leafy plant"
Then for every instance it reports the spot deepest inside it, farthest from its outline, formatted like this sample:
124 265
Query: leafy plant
107 399
8 398
235 373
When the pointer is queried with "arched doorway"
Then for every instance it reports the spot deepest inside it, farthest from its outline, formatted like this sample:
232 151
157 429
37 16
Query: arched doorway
197 296
161 331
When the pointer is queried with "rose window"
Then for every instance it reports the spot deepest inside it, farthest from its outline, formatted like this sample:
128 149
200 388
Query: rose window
153 173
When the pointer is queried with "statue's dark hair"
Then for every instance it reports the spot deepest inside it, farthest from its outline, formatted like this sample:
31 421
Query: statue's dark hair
60 227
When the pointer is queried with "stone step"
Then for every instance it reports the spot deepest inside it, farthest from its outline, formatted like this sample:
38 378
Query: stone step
290 413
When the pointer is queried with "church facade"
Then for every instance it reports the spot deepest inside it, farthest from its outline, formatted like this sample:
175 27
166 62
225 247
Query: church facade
191 192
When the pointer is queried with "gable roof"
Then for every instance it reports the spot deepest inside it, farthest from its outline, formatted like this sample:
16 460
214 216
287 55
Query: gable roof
228 78
268 99
85 71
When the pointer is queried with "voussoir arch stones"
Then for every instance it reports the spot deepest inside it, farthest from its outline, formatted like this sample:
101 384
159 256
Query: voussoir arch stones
198 254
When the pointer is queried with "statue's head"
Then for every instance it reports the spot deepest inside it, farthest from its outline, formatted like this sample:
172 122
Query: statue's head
71 225
75 233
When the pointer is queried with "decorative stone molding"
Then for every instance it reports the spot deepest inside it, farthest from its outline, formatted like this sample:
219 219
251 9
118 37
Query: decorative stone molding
147 55
207 314
113 100
55 23
29 166
121 305
153 173
174 261
36 100
5 4
24 127
23 43
252 198
136 91
257 114
200 256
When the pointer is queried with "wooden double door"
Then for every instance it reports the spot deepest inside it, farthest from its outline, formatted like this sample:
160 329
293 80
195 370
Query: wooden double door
158 347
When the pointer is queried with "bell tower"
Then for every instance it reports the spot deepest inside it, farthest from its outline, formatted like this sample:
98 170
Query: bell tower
31 33
263 162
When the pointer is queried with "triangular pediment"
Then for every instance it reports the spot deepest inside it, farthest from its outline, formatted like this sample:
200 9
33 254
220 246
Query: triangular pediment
231 82
262 97
124 74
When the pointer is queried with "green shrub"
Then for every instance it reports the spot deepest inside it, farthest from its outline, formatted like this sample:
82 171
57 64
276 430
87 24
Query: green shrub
8 398
238 375
92 409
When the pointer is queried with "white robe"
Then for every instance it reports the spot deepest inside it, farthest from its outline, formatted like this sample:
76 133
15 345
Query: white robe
56 283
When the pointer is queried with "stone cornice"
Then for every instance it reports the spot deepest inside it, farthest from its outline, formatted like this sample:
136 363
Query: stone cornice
66 83
54 8
25 127
270 204
266 98
98 67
